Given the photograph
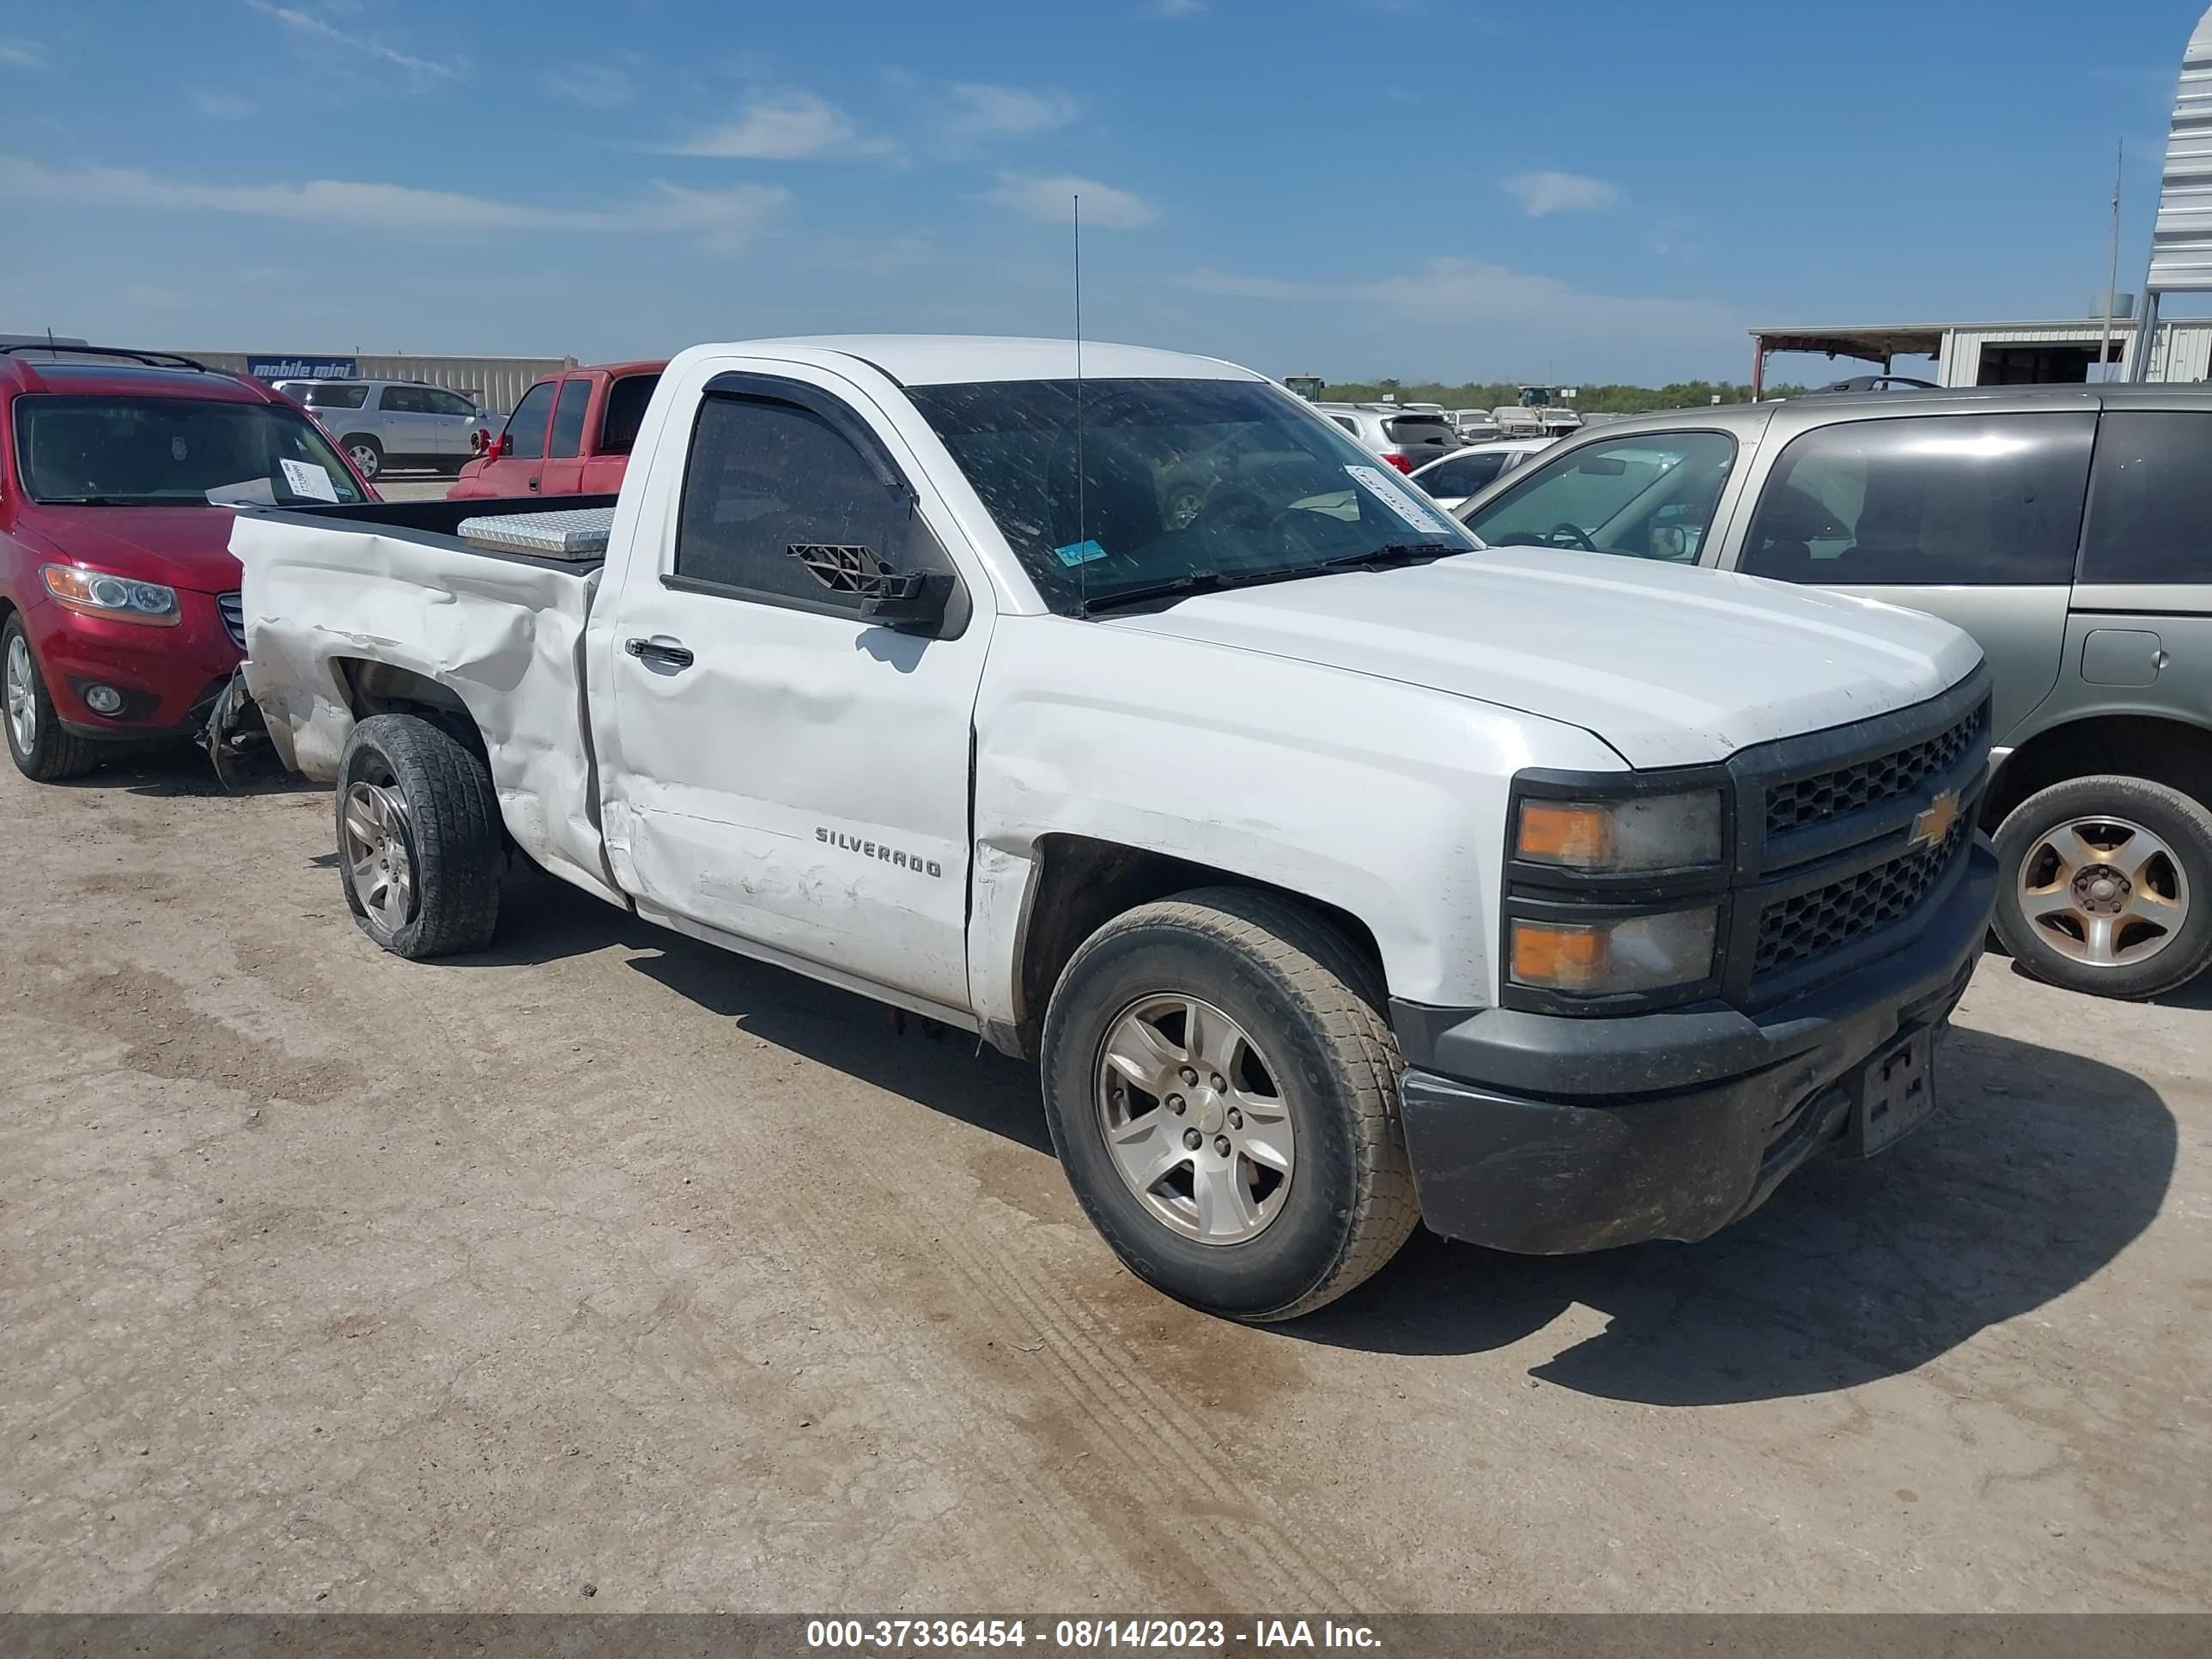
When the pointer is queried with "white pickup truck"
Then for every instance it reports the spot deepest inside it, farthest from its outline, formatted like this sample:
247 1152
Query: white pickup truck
1339 873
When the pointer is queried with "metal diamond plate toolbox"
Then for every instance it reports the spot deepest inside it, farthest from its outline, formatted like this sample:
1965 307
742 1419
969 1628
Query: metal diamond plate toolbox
576 532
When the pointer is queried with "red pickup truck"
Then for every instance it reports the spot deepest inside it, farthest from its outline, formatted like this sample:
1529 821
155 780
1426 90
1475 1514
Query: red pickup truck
570 436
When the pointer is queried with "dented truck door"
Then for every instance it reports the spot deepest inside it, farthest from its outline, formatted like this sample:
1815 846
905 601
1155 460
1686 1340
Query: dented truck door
785 676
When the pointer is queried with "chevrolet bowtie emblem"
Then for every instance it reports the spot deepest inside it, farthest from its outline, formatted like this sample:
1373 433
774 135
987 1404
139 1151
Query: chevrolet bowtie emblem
1935 819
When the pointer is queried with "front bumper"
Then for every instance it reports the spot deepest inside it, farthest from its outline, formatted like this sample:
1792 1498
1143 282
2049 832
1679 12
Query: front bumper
169 676
1550 1134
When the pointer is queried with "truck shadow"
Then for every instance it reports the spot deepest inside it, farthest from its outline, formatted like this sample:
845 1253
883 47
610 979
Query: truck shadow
2042 1168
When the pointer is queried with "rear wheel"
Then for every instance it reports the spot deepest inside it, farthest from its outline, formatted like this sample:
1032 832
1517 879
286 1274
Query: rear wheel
2105 886
41 750
420 849
1221 1085
365 455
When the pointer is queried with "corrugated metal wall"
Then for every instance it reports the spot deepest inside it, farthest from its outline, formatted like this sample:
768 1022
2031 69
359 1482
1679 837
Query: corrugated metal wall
498 383
2189 346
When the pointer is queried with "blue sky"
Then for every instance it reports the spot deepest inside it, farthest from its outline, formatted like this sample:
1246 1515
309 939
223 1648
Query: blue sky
1420 188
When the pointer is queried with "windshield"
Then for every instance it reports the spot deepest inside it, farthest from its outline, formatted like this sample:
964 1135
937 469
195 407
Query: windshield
1181 482
160 451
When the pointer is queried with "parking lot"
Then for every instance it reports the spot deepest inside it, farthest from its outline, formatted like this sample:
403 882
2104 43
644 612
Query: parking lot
609 1266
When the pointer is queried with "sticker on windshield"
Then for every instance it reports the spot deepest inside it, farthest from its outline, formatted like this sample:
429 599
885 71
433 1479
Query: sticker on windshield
309 480
1387 491
1077 553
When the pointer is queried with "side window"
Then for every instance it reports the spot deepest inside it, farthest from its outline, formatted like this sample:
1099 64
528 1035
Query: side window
764 478
405 400
526 426
442 402
1351 426
626 401
2150 499
1940 499
568 418
1651 496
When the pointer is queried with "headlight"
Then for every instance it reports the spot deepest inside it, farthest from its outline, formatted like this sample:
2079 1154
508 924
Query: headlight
1607 958
97 593
1615 837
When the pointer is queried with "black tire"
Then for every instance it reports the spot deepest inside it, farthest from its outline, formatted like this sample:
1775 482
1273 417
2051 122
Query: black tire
54 754
448 828
366 453
1311 1005
2180 821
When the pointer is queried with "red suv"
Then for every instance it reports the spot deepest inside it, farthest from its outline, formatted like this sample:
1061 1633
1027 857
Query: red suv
119 614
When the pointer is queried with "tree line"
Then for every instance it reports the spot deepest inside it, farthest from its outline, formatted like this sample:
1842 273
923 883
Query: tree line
1611 399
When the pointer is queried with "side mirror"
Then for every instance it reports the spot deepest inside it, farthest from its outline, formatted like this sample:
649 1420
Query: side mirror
480 440
504 444
904 601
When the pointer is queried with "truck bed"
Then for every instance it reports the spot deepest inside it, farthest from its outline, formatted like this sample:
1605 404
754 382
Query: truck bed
352 611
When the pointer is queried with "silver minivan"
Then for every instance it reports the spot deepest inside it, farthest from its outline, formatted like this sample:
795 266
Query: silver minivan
1405 438
2068 528
382 424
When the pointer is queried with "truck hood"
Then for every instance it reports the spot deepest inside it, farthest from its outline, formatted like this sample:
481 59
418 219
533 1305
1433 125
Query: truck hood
1671 667
186 546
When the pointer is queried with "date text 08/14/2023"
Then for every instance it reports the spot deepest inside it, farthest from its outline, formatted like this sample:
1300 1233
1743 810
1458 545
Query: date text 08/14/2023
1184 1635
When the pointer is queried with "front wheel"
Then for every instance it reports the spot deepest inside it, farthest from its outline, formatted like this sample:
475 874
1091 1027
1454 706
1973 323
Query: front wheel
1222 1089
41 750
2105 886
420 849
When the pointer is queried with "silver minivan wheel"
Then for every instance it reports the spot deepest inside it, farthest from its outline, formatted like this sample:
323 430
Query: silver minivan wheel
2104 891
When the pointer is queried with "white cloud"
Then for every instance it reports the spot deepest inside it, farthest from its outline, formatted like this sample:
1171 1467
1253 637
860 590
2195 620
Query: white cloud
223 106
311 30
23 54
723 219
1466 289
595 86
1051 197
1542 193
977 111
1178 8
791 126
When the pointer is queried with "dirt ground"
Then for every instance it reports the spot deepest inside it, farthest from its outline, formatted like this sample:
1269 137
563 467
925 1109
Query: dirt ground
331 1281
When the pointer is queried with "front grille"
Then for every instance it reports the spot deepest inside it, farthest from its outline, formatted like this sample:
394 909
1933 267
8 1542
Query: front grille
1803 801
233 606
1795 931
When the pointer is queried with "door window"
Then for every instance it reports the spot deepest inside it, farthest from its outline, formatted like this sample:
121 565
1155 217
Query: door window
442 402
322 396
1936 500
526 426
767 477
626 401
568 419
1651 496
2150 499
405 400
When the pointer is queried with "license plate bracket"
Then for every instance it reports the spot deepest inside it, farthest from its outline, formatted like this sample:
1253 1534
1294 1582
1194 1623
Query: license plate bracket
1896 1095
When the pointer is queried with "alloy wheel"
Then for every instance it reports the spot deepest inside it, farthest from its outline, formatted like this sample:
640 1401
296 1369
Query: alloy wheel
22 695
2105 891
1194 1118
376 853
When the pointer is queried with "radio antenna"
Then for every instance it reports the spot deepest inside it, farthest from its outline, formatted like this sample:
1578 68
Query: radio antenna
1082 516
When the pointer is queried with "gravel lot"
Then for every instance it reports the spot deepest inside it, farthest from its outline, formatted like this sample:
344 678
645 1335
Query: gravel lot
608 1259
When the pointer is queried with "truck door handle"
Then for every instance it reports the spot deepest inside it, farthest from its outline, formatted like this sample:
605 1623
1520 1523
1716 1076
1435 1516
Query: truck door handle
533 484
659 650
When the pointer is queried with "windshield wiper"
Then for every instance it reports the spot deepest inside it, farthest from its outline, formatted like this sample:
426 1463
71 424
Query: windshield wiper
1195 581
1390 553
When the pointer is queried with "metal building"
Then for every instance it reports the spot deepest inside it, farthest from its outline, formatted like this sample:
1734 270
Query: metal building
2002 354
497 383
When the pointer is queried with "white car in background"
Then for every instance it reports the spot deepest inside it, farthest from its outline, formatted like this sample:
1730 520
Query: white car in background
1408 439
1454 478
